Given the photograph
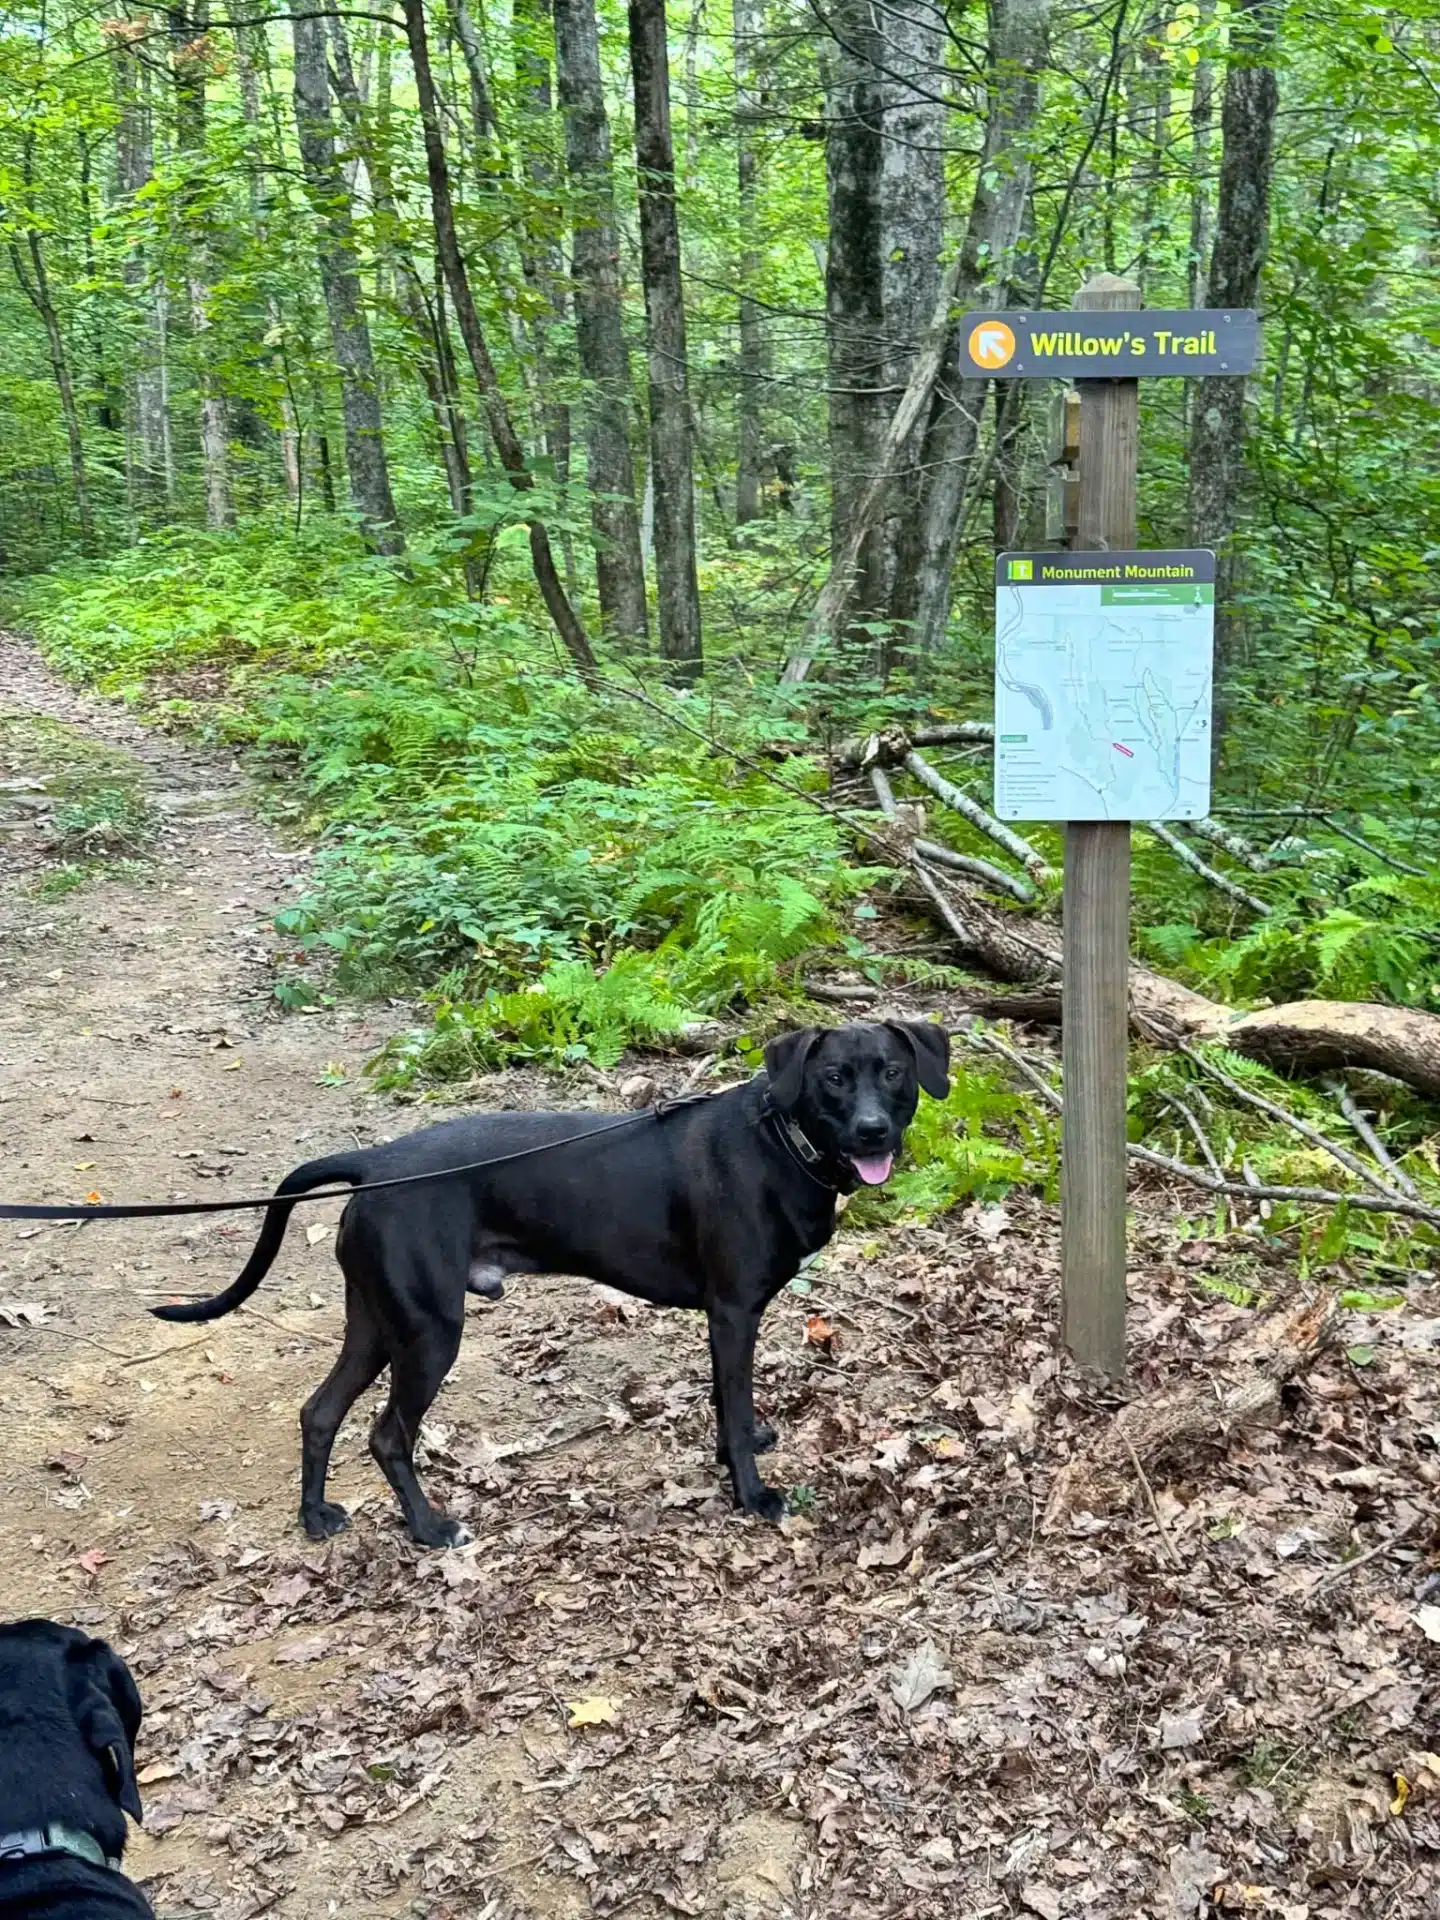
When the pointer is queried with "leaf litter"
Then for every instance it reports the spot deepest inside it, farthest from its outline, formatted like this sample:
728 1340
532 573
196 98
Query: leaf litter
910 1701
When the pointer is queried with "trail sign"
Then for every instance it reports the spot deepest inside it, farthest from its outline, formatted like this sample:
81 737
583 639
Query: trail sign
1119 345
1103 685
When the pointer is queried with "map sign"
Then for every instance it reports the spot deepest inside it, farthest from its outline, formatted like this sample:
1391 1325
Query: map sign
1113 345
1102 685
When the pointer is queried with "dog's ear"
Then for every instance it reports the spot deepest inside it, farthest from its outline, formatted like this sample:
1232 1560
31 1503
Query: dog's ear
785 1058
107 1712
931 1047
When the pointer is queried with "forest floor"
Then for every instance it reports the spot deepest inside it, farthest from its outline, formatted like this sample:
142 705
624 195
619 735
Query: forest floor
911 1701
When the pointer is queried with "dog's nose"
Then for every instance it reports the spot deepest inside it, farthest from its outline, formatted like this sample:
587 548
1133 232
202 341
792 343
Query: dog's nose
872 1133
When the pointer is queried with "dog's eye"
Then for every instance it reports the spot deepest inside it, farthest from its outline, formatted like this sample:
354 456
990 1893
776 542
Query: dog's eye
894 1073
834 1078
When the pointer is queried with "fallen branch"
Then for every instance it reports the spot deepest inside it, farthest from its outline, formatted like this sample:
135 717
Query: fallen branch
1350 1161
959 802
1347 1567
889 747
1237 847
1325 1034
1246 1189
1187 855
992 876
977 869
1255 1367
1361 1123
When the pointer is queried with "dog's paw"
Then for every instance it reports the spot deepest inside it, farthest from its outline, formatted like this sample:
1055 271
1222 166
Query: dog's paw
766 1504
443 1533
321 1521
765 1439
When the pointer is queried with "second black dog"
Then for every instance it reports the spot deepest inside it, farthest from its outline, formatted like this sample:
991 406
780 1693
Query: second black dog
69 1714
713 1205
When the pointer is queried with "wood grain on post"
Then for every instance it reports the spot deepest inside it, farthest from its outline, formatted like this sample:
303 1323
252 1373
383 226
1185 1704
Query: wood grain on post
1095 1036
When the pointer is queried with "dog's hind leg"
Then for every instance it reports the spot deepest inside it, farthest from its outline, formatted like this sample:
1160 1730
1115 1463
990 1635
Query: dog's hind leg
362 1359
765 1435
733 1327
417 1373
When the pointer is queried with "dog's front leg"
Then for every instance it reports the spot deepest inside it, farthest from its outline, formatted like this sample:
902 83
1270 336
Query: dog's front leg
732 1347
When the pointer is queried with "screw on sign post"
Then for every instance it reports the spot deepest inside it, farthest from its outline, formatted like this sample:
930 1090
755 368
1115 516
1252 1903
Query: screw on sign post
1095 992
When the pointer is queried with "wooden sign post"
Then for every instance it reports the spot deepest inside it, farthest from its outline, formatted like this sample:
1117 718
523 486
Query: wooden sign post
1095 1026
1096 763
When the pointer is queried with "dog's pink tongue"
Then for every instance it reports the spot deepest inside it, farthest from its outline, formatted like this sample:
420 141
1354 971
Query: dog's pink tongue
876 1171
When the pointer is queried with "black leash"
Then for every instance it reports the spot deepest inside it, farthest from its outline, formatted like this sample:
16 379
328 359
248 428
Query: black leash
149 1209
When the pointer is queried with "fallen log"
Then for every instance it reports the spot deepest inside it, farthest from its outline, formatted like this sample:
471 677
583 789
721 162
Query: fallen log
1240 1386
1320 1034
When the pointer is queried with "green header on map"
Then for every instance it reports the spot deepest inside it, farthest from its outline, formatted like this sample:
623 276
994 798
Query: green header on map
1131 577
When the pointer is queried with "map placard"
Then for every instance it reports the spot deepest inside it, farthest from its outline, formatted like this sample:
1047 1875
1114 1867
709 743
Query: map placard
1103 667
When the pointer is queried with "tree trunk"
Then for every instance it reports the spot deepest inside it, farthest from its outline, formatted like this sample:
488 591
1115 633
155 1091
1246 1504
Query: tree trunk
149 427
541 259
188 68
1016 59
365 460
854 313
35 285
599 323
1242 236
434 361
912 229
920 601
1202 121
252 59
497 413
754 342
671 426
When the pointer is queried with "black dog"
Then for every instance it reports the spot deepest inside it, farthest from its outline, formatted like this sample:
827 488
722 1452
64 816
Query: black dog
711 1204
69 1714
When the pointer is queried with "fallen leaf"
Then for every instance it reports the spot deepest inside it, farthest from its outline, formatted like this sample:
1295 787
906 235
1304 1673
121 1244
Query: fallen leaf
317 1232
892 1454
923 1674
23 1313
157 1770
1180 1729
84 1166
598 1711
92 1560
1019 1421
988 1222
1428 1621
94 1199
888 1553
1402 1794
818 1330
300 1653
1040 1899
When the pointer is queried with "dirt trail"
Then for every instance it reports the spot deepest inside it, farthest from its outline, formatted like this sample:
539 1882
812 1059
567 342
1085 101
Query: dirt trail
909 1703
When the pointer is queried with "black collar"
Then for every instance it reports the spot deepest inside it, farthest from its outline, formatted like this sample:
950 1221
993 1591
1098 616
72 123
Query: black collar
803 1151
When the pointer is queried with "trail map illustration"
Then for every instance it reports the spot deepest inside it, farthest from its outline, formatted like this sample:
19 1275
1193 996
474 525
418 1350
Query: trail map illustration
1103 667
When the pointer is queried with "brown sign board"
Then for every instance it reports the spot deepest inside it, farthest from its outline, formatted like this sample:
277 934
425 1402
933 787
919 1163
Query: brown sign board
1120 345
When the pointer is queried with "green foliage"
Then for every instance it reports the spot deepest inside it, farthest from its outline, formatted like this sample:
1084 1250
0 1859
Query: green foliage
103 821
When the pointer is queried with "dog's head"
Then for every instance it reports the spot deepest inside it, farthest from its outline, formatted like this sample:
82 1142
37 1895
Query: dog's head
51 1675
853 1090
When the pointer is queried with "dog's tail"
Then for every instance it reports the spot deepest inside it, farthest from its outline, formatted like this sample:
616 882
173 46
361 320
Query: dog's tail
315 1173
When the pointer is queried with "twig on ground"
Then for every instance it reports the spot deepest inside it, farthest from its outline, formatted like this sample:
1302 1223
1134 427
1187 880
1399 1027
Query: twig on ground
1197 1132
1350 1161
1347 1567
164 1353
1192 860
67 1333
296 1333
1149 1492
990 1043
1360 1121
